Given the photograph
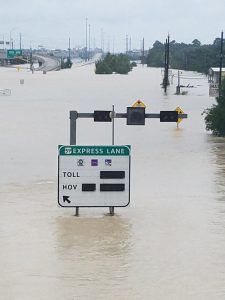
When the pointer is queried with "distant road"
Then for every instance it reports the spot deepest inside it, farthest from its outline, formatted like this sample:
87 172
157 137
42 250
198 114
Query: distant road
82 62
48 63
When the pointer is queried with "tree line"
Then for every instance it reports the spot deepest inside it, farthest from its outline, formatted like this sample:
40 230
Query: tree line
190 57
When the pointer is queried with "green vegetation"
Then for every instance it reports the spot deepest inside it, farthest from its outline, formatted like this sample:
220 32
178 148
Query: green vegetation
113 64
191 57
66 63
215 116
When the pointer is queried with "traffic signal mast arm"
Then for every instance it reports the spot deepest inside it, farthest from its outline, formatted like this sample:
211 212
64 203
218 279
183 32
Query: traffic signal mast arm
150 116
134 116
124 115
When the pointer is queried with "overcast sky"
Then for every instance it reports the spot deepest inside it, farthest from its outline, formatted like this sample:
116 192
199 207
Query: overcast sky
51 22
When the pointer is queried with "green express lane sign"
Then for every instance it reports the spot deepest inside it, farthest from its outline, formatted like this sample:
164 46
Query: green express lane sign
94 150
14 53
94 176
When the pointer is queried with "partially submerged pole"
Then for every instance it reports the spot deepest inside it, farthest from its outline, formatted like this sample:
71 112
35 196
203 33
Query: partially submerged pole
166 68
221 65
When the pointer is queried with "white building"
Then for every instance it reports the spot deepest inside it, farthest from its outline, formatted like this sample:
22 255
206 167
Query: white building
214 73
213 78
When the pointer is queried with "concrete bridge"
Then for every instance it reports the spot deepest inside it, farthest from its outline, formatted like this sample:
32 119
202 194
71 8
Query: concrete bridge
47 63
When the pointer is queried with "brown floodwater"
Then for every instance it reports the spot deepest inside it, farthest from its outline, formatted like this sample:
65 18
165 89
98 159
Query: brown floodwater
168 244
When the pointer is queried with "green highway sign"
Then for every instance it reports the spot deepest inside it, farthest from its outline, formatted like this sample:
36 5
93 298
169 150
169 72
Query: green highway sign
94 176
95 150
11 53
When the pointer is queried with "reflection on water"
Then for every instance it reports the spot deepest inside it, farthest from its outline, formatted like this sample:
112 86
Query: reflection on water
94 251
105 237
168 244
217 151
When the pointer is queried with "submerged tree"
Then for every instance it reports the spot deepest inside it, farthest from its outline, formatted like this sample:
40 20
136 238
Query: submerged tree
66 64
215 116
113 64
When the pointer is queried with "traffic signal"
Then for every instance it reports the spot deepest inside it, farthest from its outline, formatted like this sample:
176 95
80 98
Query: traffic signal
169 116
135 115
102 116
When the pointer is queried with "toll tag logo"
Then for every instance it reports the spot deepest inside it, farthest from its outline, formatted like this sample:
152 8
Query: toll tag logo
108 162
80 162
94 162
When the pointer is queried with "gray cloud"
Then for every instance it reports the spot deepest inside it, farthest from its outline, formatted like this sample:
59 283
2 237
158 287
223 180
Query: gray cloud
52 22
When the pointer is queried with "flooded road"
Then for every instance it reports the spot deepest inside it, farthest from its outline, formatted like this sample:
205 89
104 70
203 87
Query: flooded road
168 244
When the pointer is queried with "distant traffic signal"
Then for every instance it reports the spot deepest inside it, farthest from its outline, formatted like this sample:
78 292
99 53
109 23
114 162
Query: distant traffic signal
169 116
102 116
135 115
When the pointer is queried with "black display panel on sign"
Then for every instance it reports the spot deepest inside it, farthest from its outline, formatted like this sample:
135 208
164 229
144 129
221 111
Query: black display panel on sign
112 187
88 187
168 116
112 174
135 116
102 116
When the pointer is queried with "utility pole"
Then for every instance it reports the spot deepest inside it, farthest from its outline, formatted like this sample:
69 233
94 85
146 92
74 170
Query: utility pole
3 42
113 44
109 38
69 49
126 44
31 61
102 40
166 70
86 42
89 40
221 65
143 52
178 83
20 41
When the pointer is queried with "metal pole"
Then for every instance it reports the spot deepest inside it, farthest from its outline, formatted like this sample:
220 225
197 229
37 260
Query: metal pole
73 121
89 41
111 208
31 61
69 48
102 48
113 125
168 59
86 41
143 52
10 39
165 69
126 44
221 65
178 83
20 41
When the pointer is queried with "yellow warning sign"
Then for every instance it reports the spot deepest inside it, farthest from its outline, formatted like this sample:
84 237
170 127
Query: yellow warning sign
180 111
139 103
